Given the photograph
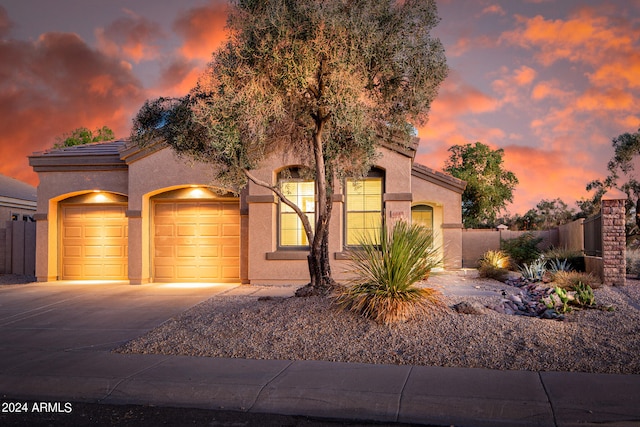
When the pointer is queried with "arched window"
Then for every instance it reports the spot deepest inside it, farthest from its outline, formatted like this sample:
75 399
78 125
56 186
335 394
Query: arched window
423 215
363 207
301 192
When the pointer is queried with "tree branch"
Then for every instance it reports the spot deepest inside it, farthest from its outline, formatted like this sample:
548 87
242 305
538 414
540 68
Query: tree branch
303 217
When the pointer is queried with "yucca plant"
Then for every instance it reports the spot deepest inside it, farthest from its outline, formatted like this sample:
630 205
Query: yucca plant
386 269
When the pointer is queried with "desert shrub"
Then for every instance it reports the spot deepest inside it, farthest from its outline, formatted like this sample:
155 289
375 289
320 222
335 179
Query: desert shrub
633 263
555 265
535 271
386 270
571 279
575 258
523 249
494 265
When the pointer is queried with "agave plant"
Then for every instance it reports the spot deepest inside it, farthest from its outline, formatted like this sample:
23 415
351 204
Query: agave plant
386 269
557 264
534 271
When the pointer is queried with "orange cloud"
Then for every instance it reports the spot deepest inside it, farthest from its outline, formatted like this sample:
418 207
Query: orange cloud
132 37
494 9
545 174
203 29
550 89
179 77
53 85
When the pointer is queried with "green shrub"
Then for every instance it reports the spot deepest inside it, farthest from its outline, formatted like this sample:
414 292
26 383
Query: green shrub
523 249
633 262
386 270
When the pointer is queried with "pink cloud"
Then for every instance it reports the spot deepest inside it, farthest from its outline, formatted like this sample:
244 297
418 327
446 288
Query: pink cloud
133 37
203 29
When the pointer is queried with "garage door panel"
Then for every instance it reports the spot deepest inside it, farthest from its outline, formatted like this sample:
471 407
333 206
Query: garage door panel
201 249
209 230
187 229
187 251
94 242
164 252
230 230
164 230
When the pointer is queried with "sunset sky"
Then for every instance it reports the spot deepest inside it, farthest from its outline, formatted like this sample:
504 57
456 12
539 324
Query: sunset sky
550 82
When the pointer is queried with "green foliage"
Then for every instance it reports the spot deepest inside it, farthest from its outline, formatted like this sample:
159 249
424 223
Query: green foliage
584 296
489 185
523 249
633 262
326 81
621 176
386 270
82 135
494 265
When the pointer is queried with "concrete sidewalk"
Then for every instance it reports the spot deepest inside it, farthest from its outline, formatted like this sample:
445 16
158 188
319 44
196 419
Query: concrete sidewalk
56 341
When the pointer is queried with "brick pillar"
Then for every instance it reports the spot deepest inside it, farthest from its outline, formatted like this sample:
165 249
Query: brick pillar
614 240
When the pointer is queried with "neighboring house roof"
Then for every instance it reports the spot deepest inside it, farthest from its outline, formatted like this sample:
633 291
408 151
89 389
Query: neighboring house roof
95 156
13 189
440 178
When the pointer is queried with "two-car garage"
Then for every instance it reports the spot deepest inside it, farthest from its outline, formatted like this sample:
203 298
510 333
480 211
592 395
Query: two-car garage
191 240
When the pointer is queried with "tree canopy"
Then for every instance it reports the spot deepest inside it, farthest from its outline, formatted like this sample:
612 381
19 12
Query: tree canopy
326 80
622 176
489 185
83 135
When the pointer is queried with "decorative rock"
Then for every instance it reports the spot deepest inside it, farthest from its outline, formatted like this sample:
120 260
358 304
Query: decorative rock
465 307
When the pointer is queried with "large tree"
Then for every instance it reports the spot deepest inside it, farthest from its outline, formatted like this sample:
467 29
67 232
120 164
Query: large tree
489 185
622 175
327 80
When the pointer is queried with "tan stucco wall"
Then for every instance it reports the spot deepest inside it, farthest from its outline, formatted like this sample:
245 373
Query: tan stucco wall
447 217
157 173
268 265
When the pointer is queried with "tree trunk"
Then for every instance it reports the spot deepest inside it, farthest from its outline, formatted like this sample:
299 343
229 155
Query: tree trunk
318 260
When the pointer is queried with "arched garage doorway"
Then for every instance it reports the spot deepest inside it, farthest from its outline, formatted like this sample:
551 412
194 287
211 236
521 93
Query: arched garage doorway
195 236
93 231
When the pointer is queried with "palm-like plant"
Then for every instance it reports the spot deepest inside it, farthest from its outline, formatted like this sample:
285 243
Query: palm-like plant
386 269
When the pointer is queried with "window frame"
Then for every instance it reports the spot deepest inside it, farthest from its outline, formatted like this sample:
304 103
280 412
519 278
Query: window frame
374 173
293 175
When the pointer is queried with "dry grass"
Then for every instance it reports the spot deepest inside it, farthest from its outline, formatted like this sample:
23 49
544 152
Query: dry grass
570 279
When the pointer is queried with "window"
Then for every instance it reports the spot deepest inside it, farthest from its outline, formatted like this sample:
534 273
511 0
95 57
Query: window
423 215
363 208
291 231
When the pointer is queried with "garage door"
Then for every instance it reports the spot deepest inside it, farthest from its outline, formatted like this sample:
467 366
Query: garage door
94 242
196 241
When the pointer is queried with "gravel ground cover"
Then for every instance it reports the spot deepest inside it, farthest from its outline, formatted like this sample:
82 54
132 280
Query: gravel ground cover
314 329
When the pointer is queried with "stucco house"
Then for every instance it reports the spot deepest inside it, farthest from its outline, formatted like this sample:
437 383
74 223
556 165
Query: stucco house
17 200
116 211
17 203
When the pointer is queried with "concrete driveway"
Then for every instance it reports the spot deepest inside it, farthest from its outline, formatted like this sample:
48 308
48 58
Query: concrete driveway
68 316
